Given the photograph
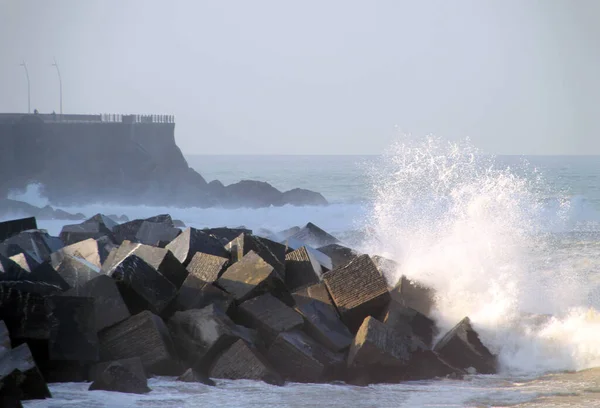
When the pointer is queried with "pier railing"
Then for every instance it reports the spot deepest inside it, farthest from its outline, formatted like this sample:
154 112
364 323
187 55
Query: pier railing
101 118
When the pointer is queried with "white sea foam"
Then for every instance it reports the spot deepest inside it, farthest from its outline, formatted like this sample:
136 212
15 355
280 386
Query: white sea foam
478 234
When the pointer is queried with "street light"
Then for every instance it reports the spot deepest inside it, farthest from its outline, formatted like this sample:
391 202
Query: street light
24 65
55 64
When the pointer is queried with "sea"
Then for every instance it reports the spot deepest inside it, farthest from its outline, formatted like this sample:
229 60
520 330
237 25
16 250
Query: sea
513 242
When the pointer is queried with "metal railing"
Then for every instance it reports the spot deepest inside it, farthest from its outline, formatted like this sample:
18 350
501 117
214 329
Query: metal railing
102 118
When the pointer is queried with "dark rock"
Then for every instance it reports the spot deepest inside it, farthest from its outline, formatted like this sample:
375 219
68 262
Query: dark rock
14 227
301 269
380 353
20 377
339 255
134 364
9 401
127 231
314 236
144 335
201 335
76 271
192 241
226 234
45 273
25 261
302 197
253 194
414 295
194 376
160 259
462 348
94 251
35 242
269 316
196 294
207 267
427 364
407 320
119 378
4 338
109 307
321 319
249 277
241 361
39 288
10 270
24 312
142 286
102 219
292 244
272 252
72 329
151 233
71 234
299 358
358 290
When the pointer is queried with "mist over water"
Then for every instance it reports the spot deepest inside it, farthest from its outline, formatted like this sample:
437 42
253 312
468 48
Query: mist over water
481 234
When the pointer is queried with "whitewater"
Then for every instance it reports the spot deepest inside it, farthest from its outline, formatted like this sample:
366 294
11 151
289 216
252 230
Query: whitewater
511 242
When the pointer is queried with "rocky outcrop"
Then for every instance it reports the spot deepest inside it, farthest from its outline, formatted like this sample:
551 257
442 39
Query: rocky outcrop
81 159
142 313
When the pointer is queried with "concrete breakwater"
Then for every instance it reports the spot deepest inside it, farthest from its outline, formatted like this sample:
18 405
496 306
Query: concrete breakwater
125 159
113 304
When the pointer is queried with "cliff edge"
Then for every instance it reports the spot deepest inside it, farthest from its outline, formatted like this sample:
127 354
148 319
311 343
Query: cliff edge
81 159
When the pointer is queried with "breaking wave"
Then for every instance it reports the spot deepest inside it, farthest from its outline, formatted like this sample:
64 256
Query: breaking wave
484 236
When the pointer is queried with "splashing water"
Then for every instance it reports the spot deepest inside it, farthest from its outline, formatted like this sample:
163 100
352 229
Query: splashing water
479 235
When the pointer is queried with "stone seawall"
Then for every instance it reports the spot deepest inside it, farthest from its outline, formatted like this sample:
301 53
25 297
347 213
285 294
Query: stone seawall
130 161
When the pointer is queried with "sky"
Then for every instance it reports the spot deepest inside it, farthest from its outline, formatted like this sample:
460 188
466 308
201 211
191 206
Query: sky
315 76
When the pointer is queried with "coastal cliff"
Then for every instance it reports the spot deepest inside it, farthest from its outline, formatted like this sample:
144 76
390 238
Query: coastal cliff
131 159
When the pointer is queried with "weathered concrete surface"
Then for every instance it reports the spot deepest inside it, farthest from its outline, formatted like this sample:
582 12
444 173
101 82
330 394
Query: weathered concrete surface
206 267
462 348
118 377
321 319
75 271
299 358
272 252
197 294
194 376
240 361
142 286
358 290
200 335
269 316
144 335
134 364
73 233
414 295
152 233
25 261
94 251
249 277
407 320
301 268
25 314
20 377
13 227
73 334
191 241
314 236
109 307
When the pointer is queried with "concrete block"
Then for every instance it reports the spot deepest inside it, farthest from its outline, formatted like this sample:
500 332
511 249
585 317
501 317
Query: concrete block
191 241
358 290
207 267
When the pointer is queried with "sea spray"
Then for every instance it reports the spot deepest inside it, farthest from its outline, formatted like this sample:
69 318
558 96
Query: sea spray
478 233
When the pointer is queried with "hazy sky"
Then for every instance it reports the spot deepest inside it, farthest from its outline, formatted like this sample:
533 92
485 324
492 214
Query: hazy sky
322 76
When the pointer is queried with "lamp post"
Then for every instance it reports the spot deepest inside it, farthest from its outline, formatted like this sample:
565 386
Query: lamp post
24 65
55 64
